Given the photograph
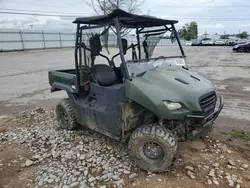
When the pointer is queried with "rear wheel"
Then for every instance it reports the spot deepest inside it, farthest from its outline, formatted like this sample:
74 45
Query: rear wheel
65 115
154 148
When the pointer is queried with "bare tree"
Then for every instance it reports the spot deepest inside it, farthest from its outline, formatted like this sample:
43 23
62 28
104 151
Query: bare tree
106 6
103 7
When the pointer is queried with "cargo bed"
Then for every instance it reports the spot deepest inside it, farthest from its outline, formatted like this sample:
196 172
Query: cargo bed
63 80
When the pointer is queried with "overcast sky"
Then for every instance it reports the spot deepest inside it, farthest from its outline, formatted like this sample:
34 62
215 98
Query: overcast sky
213 16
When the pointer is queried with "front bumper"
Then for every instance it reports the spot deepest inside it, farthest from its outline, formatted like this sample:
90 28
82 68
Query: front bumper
211 117
205 120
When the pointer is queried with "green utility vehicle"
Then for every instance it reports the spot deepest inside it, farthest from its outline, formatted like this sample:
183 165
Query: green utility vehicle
150 103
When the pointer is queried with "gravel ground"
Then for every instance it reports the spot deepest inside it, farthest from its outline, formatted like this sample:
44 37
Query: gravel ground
68 159
82 158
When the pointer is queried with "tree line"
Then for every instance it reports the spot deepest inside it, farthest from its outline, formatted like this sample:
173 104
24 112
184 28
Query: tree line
190 31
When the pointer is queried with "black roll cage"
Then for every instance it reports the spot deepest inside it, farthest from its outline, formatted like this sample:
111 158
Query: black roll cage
139 30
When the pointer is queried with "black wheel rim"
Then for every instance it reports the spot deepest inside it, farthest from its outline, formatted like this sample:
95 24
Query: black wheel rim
63 117
152 151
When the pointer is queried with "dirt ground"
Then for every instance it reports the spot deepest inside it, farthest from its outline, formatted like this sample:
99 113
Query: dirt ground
24 86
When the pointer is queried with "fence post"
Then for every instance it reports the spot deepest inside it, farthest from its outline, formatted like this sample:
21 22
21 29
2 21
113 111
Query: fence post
43 40
21 36
60 38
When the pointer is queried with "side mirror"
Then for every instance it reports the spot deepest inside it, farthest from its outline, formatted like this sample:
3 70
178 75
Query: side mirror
124 45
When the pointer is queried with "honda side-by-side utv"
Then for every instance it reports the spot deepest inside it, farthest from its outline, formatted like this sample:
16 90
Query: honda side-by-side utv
150 103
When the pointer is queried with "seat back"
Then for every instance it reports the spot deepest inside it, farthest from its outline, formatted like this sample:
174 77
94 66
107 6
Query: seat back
103 74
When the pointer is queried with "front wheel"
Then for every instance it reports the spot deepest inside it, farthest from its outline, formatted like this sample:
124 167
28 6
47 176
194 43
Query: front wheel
154 148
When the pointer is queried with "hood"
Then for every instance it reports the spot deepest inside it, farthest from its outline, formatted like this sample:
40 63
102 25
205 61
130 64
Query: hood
179 80
171 83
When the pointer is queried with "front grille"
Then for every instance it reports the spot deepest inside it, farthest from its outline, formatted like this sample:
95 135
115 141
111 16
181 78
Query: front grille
208 102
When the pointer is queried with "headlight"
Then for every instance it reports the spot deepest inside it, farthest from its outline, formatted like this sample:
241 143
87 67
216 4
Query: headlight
172 105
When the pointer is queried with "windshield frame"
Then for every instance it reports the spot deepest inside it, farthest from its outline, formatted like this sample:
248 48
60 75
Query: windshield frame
138 32
172 29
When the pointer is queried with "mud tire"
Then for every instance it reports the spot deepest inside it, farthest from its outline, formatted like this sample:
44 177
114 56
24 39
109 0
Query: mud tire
65 115
157 135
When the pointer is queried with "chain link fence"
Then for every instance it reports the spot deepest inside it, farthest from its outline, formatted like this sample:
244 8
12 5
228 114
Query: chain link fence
18 40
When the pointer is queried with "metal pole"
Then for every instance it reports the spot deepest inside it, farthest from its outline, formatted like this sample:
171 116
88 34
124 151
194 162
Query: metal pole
80 50
43 40
120 47
76 59
21 36
178 40
138 40
104 7
80 56
60 38
119 39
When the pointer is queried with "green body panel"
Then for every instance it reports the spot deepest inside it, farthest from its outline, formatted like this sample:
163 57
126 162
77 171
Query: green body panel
62 80
160 84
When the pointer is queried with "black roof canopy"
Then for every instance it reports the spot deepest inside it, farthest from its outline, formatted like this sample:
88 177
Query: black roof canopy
125 19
